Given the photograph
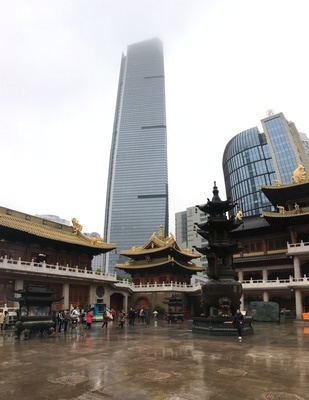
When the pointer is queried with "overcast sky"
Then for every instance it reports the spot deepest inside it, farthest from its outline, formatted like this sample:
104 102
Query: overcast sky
226 63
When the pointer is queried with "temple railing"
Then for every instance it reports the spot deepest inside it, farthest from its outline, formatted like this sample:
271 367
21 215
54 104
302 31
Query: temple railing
298 248
19 266
35 268
291 283
159 287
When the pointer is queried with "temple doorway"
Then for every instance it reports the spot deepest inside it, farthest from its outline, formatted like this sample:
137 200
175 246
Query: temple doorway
116 302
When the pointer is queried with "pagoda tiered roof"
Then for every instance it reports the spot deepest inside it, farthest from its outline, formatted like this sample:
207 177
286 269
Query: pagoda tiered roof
159 252
277 194
291 202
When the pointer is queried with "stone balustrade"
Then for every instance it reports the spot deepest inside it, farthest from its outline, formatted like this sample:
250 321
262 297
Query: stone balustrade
19 266
298 248
183 287
53 269
291 283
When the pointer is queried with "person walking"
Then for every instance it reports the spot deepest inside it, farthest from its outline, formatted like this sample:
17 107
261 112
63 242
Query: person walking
121 319
113 313
1 320
237 321
89 318
6 320
74 317
66 320
105 320
142 316
131 316
60 321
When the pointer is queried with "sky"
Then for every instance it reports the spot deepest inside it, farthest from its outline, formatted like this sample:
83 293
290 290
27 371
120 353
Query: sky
226 63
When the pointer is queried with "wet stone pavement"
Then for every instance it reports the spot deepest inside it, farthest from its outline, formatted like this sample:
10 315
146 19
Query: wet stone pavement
166 362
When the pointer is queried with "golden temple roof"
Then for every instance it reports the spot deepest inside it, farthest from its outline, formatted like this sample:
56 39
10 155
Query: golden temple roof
42 228
159 251
157 243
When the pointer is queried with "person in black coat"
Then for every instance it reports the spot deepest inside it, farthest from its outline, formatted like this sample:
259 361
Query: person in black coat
131 317
237 321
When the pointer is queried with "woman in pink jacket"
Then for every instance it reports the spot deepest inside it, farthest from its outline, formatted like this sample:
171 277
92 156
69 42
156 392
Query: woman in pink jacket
89 318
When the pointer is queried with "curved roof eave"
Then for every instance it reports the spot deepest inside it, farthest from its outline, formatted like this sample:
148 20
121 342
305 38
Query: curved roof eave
132 266
60 235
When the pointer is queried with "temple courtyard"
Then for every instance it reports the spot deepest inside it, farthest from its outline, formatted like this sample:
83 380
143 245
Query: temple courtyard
163 362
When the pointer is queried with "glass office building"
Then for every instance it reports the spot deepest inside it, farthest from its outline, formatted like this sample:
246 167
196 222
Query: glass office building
247 165
253 159
285 145
137 188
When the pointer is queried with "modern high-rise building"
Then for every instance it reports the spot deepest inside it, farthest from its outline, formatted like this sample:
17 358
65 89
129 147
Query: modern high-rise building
186 235
285 146
137 187
253 159
247 165
305 142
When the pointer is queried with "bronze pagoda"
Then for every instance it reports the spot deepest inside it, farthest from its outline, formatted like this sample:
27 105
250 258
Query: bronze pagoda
222 292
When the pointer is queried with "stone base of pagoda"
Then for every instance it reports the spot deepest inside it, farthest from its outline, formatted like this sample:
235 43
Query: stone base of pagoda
220 326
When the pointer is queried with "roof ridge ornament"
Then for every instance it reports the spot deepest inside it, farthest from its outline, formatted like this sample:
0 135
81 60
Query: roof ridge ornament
299 174
77 227
161 233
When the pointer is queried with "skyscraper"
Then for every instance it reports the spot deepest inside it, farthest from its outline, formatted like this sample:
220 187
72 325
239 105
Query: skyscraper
247 165
253 159
137 187
285 145
185 230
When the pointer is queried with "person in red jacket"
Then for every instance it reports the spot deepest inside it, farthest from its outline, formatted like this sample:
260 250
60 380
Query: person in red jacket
89 318
105 319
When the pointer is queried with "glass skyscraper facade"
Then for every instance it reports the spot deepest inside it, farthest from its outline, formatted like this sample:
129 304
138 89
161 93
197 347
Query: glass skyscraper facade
285 145
253 159
137 188
247 165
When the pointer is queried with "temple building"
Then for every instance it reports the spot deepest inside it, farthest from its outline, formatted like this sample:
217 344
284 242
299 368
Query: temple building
37 239
160 260
275 262
160 268
35 250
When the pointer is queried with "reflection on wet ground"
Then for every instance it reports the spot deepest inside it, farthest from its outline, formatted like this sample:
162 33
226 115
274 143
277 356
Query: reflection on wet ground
167 362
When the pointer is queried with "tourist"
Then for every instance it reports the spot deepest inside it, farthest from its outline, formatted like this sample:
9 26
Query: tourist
6 320
142 316
60 321
121 319
113 313
105 319
1 320
237 321
74 313
74 317
89 318
66 320
155 316
131 316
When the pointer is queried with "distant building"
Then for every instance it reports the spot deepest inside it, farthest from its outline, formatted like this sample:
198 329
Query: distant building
185 231
253 159
305 142
285 146
54 218
137 188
